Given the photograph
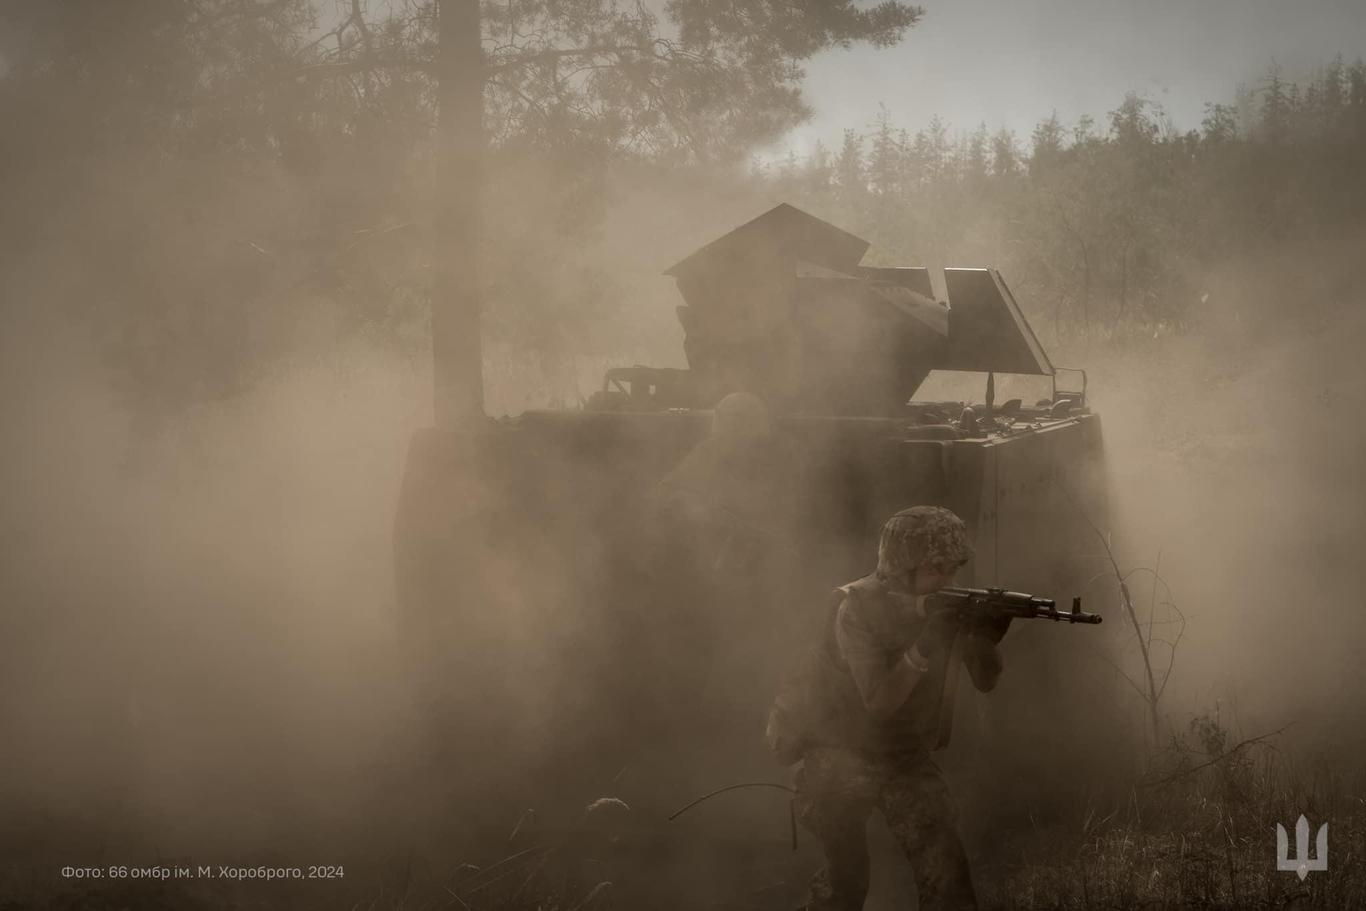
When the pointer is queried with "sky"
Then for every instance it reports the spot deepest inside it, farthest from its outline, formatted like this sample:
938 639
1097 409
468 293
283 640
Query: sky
1012 62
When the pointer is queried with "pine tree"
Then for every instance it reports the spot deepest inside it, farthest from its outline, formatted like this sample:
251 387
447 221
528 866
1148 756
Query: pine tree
1356 100
885 170
1046 145
1275 110
1005 154
1331 94
1220 124
975 154
819 172
1083 131
1131 124
851 176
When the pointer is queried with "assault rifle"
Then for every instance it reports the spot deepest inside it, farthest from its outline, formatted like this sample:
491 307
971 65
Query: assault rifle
984 605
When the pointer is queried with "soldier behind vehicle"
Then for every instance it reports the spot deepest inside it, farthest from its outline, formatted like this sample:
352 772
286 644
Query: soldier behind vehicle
731 497
728 519
864 713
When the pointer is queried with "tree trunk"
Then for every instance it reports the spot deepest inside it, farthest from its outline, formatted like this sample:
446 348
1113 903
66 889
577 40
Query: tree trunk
1123 287
457 352
1086 289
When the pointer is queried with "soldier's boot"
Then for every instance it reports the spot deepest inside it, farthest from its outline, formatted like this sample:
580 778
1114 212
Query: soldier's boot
841 886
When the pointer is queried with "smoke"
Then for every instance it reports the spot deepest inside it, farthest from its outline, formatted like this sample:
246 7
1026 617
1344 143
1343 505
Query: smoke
1234 457
199 613
200 630
202 649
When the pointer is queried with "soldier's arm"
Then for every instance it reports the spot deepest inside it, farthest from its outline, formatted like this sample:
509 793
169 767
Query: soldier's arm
983 661
883 688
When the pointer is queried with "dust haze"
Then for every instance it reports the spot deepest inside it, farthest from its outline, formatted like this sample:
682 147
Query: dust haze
202 652
201 631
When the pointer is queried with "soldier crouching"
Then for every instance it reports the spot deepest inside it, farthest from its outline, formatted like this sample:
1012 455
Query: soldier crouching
868 706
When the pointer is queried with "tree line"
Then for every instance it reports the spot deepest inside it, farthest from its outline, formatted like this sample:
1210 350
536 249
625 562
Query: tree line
1112 227
210 189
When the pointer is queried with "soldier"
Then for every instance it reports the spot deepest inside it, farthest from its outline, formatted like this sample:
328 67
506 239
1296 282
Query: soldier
724 548
731 496
866 710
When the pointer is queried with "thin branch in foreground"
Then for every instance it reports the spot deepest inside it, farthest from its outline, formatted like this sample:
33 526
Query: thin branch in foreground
1227 754
1125 599
1127 679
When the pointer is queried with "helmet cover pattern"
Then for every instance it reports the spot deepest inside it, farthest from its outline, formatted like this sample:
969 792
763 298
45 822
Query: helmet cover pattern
919 536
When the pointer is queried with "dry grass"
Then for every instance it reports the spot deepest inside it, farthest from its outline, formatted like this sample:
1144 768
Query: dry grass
1199 832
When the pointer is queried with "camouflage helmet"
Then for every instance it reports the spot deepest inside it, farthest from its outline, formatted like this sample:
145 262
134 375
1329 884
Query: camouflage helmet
922 535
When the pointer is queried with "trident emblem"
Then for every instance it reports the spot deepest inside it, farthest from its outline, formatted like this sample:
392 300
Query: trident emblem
1300 863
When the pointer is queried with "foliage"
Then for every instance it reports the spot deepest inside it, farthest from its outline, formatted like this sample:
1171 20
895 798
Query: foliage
211 187
1115 232
1201 837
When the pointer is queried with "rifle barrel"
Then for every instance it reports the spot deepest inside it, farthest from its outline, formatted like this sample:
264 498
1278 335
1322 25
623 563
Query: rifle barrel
1017 603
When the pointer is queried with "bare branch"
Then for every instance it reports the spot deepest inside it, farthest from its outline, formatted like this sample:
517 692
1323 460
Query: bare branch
1126 600
1127 679
1227 754
659 49
364 64
243 10
1152 597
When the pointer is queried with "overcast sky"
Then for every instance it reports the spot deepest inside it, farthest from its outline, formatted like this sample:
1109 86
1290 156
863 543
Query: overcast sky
1011 62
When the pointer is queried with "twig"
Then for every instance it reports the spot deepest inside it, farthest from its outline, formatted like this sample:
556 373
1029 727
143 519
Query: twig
592 894
732 787
363 64
1152 596
502 863
1217 759
1171 662
1119 670
521 821
532 875
247 10
456 897
1128 603
1228 857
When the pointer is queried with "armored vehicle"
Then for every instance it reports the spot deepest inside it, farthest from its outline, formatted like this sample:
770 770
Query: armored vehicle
605 597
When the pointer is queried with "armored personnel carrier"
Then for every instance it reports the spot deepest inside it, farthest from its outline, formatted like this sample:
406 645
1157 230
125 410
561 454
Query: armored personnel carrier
603 599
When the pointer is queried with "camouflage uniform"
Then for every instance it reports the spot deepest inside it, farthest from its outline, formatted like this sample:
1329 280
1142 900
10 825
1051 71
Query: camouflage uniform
725 549
837 790
730 498
852 763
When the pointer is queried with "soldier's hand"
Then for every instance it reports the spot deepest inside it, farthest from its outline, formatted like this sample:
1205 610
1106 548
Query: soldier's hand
938 633
992 629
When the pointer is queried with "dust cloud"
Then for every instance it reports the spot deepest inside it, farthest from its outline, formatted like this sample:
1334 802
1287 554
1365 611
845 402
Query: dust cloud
199 622
202 649
1235 457
201 642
